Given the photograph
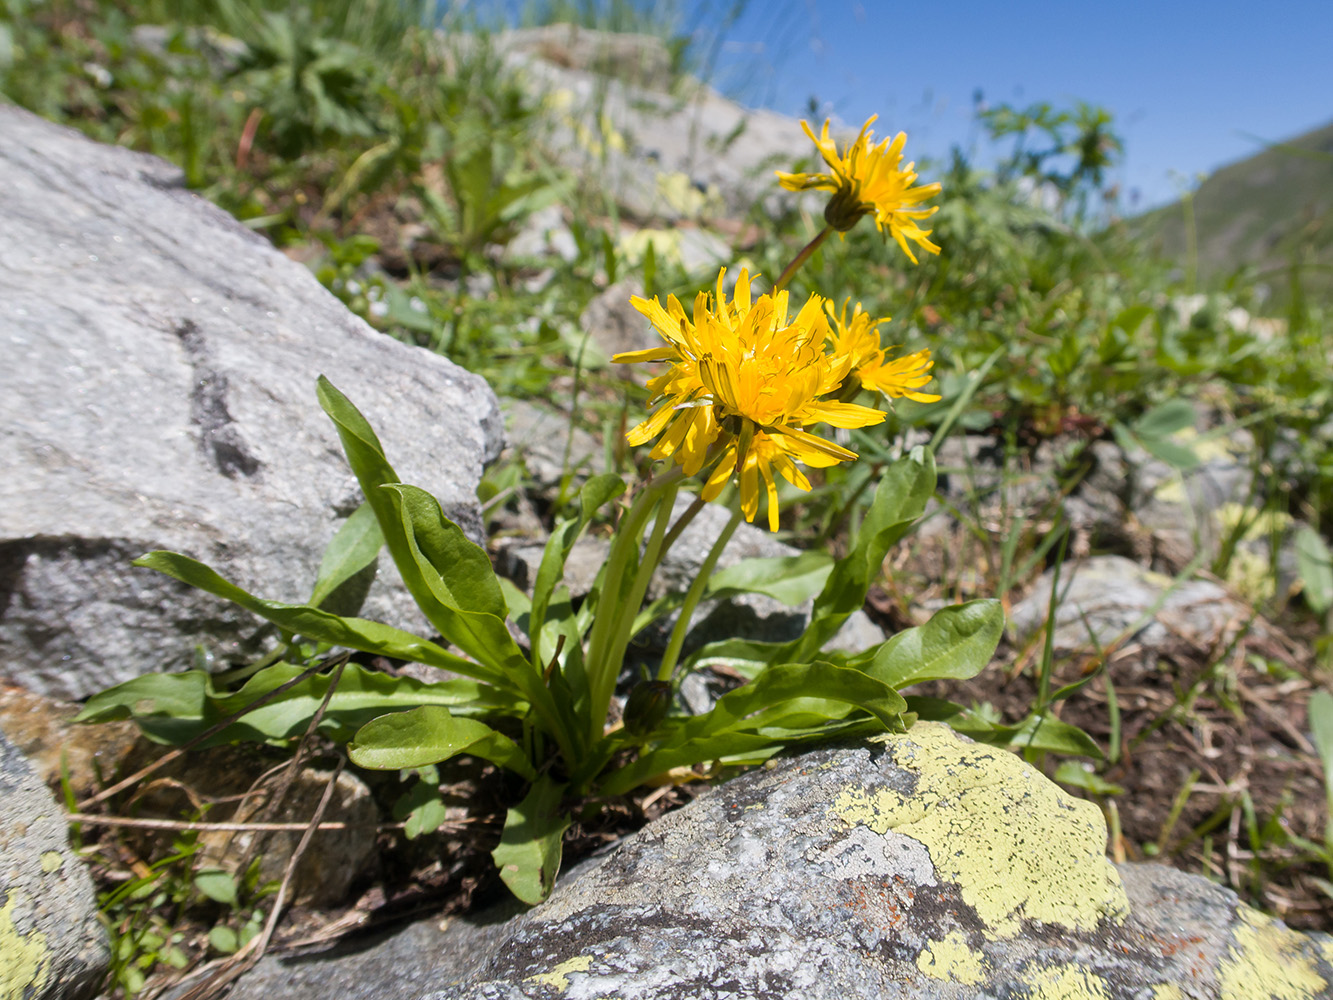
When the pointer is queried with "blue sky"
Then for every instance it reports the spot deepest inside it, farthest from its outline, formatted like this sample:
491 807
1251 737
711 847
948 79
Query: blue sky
1192 85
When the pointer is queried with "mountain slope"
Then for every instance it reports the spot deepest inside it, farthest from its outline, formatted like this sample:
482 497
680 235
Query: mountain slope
1260 213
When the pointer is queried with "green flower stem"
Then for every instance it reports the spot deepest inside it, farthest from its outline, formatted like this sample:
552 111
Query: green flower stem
682 523
801 258
652 555
693 596
602 671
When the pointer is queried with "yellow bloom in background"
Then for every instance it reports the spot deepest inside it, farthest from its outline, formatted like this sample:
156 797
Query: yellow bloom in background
746 379
858 340
869 180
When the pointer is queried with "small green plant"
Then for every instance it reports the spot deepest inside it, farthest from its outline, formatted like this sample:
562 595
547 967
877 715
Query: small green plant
746 379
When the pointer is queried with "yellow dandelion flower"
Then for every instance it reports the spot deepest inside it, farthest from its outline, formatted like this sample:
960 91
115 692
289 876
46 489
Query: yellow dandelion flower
868 180
745 381
858 340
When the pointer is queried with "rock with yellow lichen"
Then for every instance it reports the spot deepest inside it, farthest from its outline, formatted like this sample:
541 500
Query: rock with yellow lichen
919 866
51 944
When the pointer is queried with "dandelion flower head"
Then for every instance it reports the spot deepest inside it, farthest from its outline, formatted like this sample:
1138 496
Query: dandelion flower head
745 380
857 338
870 180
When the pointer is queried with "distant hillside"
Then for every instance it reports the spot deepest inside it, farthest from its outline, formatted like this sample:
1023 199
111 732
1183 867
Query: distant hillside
1256 213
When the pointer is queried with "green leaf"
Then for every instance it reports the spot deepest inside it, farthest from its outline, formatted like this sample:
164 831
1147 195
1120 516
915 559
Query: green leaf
1154 429
802 692
353 550
1075 775
421 807
461 595
595 493
395 514
176 708
223 939
956 644
322 626
900 499
528 855
217 885
428 735
1321 728
1044 732
1174 454
1132 318
1314 561
1166 419
789 579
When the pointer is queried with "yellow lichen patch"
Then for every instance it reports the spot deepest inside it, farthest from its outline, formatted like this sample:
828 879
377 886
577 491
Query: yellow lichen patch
1167 991
665 244
25 960
1171 491
952 959
1065 982
1266 962
52 861
1017 846
558 978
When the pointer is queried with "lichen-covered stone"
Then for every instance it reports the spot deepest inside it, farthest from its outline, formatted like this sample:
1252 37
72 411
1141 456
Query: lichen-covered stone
918 866
51 944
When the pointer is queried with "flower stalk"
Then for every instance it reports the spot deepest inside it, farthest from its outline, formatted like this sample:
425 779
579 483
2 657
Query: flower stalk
692 597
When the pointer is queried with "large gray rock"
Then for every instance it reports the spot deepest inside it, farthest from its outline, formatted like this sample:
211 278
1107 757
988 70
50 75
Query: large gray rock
918 866
52 946
161 394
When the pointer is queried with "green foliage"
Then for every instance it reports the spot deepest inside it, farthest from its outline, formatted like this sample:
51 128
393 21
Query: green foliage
559 688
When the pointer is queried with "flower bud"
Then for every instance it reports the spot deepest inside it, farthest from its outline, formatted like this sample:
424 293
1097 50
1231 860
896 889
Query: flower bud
647 706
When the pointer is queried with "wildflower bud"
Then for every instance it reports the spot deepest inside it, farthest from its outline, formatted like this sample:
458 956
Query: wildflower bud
647 706
845 209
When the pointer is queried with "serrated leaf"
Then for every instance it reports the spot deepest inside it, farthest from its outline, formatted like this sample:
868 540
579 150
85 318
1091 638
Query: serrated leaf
428 735
956 644
900 499
528 855
366 456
